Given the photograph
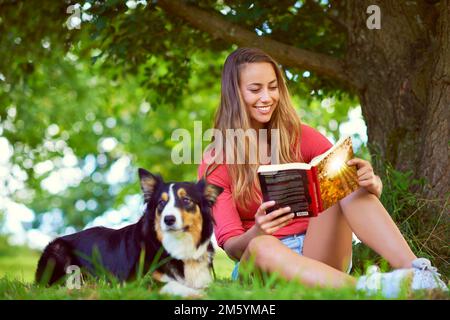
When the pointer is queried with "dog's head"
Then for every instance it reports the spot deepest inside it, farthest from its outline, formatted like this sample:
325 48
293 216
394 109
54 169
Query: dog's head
180 213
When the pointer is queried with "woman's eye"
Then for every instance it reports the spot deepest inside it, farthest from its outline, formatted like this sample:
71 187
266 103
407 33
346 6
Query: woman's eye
254 90
273 88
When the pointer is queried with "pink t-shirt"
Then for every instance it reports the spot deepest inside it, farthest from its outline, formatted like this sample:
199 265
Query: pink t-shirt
231 220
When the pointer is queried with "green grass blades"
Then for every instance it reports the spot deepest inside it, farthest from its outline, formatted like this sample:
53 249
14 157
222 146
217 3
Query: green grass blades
17 266
274 289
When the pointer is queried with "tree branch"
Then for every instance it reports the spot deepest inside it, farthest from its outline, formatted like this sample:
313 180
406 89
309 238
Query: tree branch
218 27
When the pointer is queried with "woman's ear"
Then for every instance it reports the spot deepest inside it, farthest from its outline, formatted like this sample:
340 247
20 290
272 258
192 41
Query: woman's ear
149 183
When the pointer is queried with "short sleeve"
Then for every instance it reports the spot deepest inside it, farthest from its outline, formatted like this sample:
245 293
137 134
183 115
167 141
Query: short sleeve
227 220
312 143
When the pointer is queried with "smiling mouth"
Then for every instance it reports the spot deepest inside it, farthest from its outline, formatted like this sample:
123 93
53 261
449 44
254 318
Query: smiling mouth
263 109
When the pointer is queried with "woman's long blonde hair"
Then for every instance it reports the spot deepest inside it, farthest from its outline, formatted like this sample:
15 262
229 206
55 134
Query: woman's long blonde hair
232 114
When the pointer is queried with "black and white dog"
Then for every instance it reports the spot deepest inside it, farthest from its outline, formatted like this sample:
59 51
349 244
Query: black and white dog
177 217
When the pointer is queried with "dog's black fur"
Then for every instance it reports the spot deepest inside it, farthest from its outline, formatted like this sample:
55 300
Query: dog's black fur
120 250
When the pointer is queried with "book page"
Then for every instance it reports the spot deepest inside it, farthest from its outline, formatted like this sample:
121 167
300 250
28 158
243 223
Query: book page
320 157
284 166
336 178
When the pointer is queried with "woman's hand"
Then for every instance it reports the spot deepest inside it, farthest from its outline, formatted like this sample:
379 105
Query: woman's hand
269 223
366 176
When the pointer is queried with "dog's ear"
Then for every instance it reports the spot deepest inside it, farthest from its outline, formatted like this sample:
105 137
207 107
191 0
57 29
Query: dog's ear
210 191
149 183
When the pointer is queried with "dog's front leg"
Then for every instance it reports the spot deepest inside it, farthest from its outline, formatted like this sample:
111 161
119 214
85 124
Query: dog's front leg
161 277
179 289
174 287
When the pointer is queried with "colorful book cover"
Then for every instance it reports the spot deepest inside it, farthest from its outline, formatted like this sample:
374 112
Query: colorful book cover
336 179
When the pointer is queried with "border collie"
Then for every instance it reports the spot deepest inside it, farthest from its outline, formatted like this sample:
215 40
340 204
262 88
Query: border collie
177 218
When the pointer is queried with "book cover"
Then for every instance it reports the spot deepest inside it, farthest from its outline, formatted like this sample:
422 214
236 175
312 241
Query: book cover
335 178
292 188
311 188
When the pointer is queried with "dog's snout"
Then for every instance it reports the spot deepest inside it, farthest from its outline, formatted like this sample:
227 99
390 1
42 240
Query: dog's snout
169 220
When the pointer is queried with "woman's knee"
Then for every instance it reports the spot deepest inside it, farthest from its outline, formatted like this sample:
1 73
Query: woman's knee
360 193
259 248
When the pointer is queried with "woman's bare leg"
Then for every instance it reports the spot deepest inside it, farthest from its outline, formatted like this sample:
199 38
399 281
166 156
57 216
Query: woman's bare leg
373 225
327 245
271 255
329 235
329 239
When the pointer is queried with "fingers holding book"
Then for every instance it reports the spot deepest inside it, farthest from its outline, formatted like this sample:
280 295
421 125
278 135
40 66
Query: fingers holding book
366 176
269 223
263 207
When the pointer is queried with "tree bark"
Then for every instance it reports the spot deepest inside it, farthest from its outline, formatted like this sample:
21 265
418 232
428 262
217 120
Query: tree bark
400 73
434 161
403 70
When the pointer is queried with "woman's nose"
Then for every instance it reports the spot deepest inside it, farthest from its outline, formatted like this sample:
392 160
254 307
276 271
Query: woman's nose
265 96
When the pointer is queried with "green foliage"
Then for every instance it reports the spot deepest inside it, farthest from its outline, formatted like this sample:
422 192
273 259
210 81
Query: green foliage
426 233
85 108
134 76
126 40
325 115
74 107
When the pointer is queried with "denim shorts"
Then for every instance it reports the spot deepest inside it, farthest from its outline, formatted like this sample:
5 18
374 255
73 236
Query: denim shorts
295 243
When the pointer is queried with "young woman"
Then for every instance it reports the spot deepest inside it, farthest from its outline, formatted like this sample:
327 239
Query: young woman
315 251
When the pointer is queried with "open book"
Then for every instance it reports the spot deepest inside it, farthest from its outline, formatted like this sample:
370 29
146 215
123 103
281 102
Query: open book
310 188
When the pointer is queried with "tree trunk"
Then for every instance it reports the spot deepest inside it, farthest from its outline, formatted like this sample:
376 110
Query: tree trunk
403 82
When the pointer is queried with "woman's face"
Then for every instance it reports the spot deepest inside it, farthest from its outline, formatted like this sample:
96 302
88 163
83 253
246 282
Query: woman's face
259 89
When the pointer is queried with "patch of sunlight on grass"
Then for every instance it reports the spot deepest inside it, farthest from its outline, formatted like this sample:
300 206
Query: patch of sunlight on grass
21 267
223 265
18 262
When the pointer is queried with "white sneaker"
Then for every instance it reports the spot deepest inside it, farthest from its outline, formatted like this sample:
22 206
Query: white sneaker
422 276
389 284
426 276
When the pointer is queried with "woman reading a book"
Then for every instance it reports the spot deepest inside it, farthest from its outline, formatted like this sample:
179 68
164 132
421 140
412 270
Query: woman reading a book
314 251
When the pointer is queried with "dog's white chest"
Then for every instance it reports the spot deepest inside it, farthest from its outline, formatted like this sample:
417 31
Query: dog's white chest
197 274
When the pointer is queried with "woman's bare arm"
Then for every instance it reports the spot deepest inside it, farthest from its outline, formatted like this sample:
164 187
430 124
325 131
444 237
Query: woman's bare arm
265 224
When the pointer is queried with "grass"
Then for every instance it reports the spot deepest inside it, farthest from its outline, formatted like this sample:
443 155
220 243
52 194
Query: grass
17 266
17 262
423 223
221 289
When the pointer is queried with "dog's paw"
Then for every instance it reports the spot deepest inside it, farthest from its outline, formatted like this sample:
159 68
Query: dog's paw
178 289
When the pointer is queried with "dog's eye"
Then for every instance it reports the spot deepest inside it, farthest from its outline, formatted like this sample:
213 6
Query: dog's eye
161 205
187 201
